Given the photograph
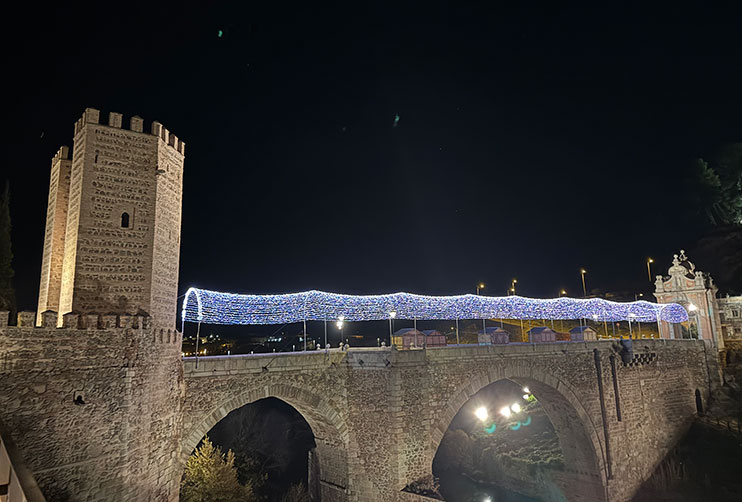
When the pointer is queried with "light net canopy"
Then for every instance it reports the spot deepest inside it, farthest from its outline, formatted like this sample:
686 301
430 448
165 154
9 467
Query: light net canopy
213 307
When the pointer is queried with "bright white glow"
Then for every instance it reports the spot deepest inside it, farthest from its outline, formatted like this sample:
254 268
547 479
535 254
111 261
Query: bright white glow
525 389
692 307
488 499
339 324
481 413
505 412
515 407
392 314
595 316
525 396
341 318
213 307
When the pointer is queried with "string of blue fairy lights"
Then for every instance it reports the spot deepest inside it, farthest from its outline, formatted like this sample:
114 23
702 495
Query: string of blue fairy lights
212 307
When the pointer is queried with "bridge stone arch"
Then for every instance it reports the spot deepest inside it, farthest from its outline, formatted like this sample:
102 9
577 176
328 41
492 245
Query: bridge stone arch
577 427
327 424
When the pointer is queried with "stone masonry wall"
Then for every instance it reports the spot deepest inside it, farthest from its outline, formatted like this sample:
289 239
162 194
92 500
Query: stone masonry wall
56 225
94 406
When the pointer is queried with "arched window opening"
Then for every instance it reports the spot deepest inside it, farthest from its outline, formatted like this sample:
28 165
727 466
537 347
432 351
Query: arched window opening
699 403
124 220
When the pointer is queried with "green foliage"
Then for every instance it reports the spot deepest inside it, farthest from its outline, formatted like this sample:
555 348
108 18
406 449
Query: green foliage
7 293
297 493
718 186
210 476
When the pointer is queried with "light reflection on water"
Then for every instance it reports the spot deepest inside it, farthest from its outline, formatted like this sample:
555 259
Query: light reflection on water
456 487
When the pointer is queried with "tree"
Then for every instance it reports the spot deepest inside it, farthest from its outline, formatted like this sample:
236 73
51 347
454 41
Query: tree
718 186
297 493
7 293
210 476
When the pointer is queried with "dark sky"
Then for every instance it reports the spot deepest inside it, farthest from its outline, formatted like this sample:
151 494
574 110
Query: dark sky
533 139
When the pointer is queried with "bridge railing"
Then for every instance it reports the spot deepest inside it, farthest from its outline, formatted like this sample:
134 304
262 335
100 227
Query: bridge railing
729 424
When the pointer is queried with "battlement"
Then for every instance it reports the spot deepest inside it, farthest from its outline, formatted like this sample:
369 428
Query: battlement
136 124
62 154
75 321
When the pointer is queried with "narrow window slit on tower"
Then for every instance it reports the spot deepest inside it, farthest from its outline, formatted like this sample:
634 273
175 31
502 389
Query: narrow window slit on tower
124 220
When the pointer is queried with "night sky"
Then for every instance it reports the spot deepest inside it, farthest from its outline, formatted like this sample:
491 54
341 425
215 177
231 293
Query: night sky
532 139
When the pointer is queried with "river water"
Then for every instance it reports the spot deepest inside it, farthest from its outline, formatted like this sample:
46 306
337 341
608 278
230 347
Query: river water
456 487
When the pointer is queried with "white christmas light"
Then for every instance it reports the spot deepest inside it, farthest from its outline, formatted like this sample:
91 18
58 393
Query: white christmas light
213 307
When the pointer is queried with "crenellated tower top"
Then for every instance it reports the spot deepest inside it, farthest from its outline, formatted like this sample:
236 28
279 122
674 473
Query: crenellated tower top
113 221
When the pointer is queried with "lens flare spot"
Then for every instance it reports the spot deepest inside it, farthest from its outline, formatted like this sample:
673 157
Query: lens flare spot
527 421
481 413
515 427
492 428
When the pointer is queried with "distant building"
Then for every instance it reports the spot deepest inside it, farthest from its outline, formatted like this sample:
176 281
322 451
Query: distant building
541 334
493 335
407 338
696 291
730 317
582 333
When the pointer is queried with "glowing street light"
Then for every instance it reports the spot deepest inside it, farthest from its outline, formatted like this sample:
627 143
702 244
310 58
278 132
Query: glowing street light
339 324
563 292
505 412
526 390
512 285
480 286
692 308
649 268
584 289
481 413
515 407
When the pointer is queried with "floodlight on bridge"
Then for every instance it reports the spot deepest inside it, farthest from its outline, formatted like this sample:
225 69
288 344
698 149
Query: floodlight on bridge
481 413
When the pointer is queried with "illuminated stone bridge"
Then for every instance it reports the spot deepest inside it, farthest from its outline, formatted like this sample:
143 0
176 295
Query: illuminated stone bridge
378 415
104 408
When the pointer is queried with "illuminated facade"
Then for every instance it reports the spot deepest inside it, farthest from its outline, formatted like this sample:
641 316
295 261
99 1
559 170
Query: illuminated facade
710 317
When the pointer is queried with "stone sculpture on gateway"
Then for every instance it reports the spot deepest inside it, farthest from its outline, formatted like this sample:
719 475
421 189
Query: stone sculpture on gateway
112 235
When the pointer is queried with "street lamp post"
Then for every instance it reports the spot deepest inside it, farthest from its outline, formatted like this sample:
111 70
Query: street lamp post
480 286
584 289
512 285
649 268
339 324
392 315
562 293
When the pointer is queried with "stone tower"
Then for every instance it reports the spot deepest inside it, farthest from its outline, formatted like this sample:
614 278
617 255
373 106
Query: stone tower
112 242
